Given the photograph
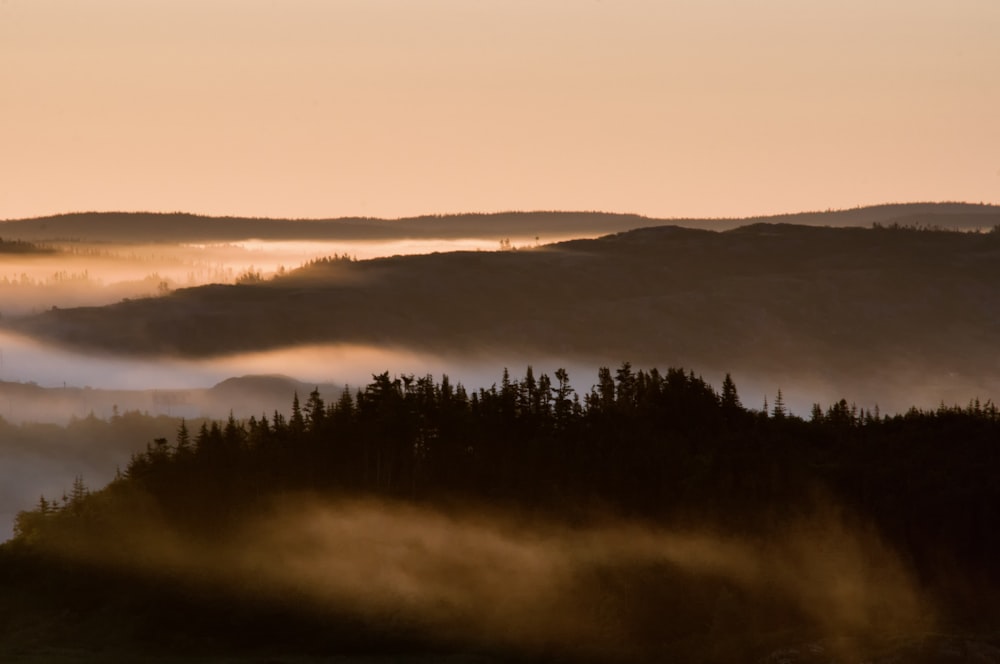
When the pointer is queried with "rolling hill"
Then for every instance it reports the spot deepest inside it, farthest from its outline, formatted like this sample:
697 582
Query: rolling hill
835 304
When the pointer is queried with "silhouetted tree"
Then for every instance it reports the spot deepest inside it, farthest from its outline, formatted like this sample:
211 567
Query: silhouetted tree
730 399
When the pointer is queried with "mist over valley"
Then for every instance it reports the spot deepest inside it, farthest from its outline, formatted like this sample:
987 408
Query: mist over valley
513 436
499 332
872 314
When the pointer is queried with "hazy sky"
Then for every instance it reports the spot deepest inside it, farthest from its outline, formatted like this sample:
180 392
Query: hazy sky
399 107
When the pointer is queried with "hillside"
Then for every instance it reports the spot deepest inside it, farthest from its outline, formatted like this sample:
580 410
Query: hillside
851 304
649 518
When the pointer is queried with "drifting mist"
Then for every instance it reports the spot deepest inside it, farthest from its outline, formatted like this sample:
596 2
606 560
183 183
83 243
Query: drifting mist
610 588
93 274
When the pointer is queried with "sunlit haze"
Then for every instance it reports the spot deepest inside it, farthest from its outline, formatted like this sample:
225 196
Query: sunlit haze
103 273
392 108
499 330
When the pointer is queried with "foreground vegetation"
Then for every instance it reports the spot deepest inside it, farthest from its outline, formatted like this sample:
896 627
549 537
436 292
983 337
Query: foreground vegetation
658 451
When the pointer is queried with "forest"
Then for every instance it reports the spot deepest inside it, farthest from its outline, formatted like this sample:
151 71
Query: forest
747 529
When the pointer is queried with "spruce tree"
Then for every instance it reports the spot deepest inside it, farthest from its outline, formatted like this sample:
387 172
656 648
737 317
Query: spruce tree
730 399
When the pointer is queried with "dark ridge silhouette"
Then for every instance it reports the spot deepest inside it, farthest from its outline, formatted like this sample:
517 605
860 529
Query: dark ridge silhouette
846 304
140 227
272 384
649 518
945 215
248 395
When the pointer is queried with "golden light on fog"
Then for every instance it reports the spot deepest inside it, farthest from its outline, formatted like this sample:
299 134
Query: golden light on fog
489 578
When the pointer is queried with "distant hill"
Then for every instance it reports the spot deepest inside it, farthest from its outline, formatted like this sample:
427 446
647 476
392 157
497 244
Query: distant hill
256 395
142 227
826 304
954 216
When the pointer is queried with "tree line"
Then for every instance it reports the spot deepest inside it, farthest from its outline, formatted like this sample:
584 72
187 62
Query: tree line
658 446
661 448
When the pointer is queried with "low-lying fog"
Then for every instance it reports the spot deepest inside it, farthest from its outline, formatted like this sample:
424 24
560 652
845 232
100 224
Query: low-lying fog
60 387
63 388
90 274
24 361
43 384
612 588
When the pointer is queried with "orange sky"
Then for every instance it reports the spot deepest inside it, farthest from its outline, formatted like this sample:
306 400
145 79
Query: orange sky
322 108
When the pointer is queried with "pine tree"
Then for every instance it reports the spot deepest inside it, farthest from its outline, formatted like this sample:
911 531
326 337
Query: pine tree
626 387
563 405
779 406
315 412
77 495
527 394
605 400
543 398
183 440
297 423
730 399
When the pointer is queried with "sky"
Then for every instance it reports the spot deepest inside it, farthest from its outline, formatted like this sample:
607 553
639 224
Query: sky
390 108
